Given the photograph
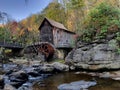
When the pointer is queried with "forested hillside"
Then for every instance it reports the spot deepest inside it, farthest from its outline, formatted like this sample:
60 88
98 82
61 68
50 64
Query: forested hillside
89 18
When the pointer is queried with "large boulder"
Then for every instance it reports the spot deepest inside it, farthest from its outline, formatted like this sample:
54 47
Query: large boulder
96 56
77 85
60 66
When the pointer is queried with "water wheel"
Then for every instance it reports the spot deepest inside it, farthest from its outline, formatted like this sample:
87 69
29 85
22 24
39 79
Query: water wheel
45 48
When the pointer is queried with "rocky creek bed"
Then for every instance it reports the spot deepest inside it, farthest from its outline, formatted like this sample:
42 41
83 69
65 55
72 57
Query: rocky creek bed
54 76
20 77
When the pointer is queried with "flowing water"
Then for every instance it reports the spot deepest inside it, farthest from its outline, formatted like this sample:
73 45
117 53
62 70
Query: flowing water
52 82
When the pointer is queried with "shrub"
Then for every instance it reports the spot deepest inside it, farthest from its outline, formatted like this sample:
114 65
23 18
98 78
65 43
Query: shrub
101 21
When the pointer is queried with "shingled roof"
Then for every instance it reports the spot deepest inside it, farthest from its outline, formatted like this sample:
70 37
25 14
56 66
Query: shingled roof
56 24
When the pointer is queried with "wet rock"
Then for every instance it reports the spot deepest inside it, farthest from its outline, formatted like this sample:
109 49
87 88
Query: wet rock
31 71
78 85
116 78
18 78
46 68
32 79
9 87
19 75
1 82
68 87
9 68
9 72
115 75
60 67
105 75
25 87
72 67
34 73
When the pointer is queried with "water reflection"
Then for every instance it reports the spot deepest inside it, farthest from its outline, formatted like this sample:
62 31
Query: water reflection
52 82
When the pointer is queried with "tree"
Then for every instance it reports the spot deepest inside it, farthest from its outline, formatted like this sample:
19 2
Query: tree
104 19
4 34
56 12
75 13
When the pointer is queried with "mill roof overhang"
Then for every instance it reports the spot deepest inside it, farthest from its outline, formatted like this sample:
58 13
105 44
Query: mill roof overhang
55 24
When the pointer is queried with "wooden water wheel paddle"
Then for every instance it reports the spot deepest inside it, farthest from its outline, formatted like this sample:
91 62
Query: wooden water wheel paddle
45 48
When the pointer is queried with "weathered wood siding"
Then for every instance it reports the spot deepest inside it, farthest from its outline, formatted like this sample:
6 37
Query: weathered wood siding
46 34
62 38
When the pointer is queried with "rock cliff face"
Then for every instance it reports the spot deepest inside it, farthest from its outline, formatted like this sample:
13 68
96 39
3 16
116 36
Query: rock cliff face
95 56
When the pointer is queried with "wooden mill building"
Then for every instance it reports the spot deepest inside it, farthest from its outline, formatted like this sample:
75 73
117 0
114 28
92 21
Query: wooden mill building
56 33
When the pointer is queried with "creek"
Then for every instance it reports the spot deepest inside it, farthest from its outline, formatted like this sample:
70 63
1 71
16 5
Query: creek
52 81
